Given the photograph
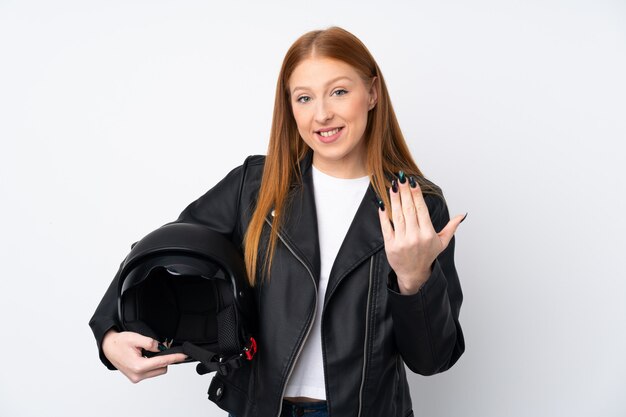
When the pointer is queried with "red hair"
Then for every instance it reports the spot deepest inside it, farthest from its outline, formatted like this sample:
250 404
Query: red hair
387 151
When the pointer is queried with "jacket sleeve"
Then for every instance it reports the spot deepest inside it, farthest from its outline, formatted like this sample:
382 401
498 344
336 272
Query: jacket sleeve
426 324
218 209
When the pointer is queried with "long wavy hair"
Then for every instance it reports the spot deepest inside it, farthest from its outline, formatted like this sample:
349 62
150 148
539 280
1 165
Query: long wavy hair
387 151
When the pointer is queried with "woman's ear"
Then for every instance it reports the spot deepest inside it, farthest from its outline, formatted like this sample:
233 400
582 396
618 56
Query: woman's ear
373 93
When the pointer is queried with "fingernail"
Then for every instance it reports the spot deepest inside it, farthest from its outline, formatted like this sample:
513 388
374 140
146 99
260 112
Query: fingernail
464 217
412 182
394 186
401 177
381 205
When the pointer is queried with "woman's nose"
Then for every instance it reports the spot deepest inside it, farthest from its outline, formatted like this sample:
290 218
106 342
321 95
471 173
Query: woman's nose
323 112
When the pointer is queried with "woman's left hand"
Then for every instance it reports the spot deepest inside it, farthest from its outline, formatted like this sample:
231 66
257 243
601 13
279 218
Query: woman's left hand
411 243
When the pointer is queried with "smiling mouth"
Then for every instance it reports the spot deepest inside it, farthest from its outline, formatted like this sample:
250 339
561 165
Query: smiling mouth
329 132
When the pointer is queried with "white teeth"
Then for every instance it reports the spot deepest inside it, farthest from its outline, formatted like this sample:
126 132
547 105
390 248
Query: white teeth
329 133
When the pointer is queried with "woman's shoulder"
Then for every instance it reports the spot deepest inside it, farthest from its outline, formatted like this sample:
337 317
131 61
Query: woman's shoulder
253 164
252 168
249 175
255 160
431 191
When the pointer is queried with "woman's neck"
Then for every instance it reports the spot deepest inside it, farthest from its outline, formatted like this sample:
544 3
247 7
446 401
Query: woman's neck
343 168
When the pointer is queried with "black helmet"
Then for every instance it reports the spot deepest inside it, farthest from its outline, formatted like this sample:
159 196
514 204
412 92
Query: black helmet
185 285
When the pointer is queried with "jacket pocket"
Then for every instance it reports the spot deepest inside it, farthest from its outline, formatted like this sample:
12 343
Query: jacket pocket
229 394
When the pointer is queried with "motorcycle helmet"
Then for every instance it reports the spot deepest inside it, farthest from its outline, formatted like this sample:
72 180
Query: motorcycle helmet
185 285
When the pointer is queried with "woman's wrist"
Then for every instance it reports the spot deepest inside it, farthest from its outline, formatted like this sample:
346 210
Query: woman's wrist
107 336
410 285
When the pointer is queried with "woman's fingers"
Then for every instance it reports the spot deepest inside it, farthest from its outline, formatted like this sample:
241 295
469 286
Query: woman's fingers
399 226
151 374
411 242
124 351
421 209
408 210
144 368
404 211
163 361
447 232
145 342
385 225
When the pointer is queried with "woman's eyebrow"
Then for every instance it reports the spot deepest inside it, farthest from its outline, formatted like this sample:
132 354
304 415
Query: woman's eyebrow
329 82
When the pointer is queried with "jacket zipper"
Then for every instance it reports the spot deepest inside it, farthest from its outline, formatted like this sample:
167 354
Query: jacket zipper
280 408
367 322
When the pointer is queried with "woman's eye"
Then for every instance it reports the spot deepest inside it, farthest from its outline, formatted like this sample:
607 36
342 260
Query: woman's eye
306 99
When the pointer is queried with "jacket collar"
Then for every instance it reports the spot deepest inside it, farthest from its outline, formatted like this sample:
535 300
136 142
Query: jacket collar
300 231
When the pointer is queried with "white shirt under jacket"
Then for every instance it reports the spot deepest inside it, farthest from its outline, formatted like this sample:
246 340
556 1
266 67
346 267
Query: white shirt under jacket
336 203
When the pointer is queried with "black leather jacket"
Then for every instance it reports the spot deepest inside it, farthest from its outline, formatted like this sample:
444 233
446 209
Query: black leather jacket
368 328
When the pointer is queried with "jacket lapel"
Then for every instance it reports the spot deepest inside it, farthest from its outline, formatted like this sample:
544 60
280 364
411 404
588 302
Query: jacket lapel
363 239
299 227
300 231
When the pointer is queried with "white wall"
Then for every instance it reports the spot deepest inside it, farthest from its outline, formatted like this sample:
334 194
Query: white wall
114 115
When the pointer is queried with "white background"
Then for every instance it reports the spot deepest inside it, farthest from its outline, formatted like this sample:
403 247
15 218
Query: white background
114 115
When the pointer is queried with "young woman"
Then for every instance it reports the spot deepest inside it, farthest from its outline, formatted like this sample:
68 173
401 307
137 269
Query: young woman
349 248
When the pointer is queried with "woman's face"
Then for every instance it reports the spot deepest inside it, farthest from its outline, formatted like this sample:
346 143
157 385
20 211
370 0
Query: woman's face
330 103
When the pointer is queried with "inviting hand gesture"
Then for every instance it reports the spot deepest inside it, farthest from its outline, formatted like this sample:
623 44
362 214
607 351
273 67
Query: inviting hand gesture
411 243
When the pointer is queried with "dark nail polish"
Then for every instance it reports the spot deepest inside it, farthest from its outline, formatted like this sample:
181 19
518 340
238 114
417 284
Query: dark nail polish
394 186
381 205
412 182
463 217
401 177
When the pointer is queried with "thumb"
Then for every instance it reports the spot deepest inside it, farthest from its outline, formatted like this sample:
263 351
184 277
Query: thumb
147 343
448 231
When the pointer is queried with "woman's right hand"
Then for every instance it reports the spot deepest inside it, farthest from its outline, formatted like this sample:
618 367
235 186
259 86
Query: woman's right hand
123 350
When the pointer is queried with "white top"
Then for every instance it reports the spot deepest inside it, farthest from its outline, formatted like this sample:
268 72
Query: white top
336 203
